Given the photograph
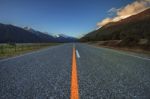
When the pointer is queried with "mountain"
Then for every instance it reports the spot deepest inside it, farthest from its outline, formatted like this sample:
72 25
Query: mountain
10 33
64 38
129 30
43 37
54 37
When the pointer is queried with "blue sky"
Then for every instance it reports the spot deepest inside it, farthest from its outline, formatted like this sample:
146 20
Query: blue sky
70 17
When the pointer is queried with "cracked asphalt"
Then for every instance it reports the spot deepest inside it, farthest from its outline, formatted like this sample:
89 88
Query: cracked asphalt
102 74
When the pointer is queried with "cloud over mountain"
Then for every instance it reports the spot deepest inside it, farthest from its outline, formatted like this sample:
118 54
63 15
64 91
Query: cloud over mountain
126 11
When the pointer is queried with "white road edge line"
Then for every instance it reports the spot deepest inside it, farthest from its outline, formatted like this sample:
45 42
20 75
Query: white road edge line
77 53
14 57
25 54
124 53
131 55
135 56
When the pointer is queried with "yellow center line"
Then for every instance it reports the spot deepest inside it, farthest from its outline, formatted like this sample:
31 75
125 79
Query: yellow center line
74 78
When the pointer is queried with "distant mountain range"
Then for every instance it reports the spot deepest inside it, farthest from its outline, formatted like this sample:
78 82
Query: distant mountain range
10 33
129 30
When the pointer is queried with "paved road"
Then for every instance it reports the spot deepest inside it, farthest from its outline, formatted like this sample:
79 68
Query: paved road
102 74
41 75
108 74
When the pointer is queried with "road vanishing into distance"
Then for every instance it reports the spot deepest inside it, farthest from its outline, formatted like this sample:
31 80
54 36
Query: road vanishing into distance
92 73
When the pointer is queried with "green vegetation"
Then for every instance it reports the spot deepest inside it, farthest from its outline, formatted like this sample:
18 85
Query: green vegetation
130 31
12 49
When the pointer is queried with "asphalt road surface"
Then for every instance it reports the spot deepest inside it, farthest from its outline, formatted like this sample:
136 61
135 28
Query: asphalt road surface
40 75
102 74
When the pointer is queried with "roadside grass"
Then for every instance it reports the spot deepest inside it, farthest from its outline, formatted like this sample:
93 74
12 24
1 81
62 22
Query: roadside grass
9 50
130 50
134 49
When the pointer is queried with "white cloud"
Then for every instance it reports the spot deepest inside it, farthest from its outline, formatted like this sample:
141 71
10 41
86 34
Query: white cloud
113 10
124 12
